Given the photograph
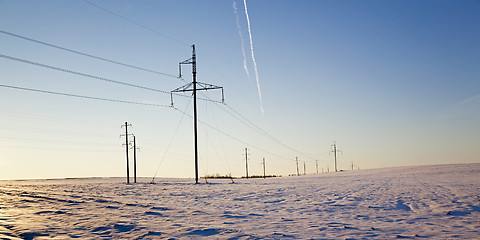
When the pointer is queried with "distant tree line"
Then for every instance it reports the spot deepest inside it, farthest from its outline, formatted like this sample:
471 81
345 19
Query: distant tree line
229 176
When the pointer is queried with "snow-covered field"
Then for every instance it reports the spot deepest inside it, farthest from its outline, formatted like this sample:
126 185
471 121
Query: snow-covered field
439 202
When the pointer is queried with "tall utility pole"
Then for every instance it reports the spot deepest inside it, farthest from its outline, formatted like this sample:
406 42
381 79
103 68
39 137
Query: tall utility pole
135 159
192 87
296 160
316 164
126 148
335 154
304 168
263 163
246 161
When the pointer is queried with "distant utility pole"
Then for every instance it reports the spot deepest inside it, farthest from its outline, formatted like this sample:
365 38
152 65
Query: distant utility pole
192 87
335 154
352 165
135 159
246 161
316 164
304 168
126 148
296 160
263 163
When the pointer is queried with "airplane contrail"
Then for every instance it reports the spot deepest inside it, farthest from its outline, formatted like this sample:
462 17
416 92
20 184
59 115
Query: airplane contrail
241 38
253 56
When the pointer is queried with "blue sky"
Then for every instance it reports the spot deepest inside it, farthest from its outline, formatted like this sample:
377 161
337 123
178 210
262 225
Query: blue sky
392 82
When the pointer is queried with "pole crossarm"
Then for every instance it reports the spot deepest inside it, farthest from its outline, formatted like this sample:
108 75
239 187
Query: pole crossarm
188 61
189 87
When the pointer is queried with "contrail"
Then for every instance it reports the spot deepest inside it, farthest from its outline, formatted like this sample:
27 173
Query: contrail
241 38
253 56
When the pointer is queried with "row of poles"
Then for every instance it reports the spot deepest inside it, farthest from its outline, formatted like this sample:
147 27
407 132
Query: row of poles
127 144
334 151
192 87
246 164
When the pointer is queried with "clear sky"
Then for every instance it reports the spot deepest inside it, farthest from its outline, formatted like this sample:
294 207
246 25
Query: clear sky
393 83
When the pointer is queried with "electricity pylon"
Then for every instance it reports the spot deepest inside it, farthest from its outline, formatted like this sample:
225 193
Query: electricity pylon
192 87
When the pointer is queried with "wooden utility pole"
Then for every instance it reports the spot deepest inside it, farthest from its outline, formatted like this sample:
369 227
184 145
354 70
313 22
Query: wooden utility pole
263 163
296 160
134 159
316 164
246 161
335 154
126 148
304 168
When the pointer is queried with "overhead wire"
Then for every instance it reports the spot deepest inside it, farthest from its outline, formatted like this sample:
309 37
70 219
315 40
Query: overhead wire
234 138
54 141
158 33
253 126
235 113
262 132
59 149
136 23
50 118
79 73
81 96
259 130
95 77
225 163
171 140
85 54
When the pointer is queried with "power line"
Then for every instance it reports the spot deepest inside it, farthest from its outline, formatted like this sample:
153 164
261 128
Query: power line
254 127
171 140
81 96
59 149
136 23
54 141
95 77
232 137
78 73
85 54
262 132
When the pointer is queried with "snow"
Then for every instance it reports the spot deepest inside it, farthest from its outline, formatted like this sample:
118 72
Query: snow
440 202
